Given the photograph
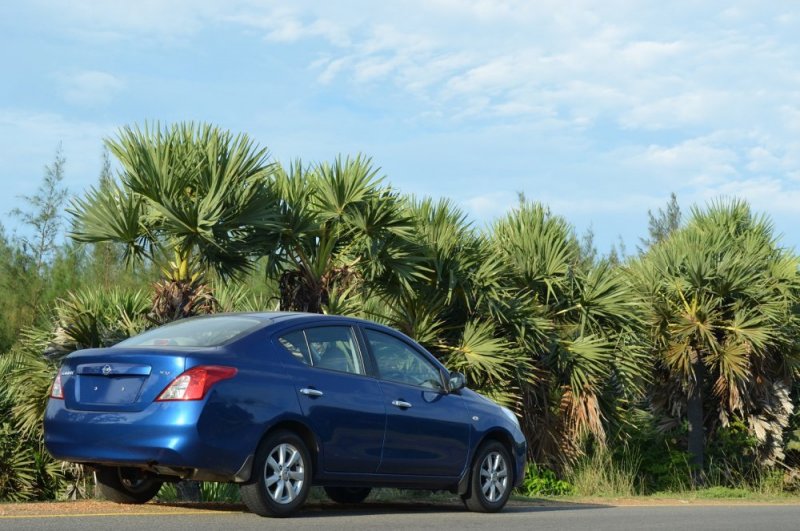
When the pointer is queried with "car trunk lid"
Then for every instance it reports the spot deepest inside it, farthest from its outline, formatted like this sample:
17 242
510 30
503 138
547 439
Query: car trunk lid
118 379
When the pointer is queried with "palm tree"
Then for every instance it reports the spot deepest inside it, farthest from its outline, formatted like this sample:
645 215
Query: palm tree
192 198
576 327
449 305
339 231
27 472
720 296
84 319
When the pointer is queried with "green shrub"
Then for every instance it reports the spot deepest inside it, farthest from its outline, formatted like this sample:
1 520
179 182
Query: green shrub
664 465
732 456
718 491
219 492
543 482
663 462
27 472
209 492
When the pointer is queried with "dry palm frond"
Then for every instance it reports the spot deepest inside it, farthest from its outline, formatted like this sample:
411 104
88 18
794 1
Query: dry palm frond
581 416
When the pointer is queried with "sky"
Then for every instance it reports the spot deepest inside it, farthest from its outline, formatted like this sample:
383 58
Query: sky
598 109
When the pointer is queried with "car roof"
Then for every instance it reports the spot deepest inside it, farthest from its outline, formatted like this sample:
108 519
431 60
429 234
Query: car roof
287 317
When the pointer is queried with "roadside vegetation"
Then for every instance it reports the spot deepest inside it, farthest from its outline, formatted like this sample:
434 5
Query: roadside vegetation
673 369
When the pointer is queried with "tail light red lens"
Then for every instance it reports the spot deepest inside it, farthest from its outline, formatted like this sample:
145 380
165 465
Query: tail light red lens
56 391
195 383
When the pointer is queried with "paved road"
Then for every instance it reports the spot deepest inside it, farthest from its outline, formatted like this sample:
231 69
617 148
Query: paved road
411 517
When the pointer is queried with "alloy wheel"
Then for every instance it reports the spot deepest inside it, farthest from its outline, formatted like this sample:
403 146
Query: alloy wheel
284 473
494 476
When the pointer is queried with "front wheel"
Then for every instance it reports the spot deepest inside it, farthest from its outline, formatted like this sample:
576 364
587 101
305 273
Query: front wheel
126 485
281 476
348 494
490 479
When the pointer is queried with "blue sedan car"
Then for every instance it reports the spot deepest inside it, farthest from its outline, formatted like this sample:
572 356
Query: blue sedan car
278 402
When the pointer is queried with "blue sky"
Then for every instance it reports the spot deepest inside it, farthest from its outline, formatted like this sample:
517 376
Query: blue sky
599 109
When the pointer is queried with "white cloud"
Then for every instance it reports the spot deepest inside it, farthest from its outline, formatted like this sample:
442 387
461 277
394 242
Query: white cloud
104 21
762 160
329 69
499 74
491 205
287 26
791 118
766 194
645 54
633 63
90 88
374 69
479 9
697 107
592 205
698 160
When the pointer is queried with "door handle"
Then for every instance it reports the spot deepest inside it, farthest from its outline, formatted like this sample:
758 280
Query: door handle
402 404
310 391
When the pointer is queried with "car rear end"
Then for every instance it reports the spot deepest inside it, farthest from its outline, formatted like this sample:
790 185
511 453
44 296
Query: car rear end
151 408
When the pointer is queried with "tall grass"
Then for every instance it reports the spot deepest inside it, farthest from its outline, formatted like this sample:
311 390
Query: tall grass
603 474
600 474
754 480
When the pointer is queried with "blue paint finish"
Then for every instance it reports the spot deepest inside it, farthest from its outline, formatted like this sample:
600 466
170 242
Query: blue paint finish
110 416
349 418
430 438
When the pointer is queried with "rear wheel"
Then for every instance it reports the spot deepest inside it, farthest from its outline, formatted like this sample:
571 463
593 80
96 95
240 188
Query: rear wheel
281 476
126 485
490 481
348 494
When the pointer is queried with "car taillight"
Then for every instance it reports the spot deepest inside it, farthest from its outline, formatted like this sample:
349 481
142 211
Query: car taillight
56 391
195 383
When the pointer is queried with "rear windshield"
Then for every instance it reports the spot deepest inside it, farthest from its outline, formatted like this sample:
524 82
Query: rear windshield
204 332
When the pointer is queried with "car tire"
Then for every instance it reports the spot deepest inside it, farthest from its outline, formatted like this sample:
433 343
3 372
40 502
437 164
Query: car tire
126 485
491 479
281 478
348 494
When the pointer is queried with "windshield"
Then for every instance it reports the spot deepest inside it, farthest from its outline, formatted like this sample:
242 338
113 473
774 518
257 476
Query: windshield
202 332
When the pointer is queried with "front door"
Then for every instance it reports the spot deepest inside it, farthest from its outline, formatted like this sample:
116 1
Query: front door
427 429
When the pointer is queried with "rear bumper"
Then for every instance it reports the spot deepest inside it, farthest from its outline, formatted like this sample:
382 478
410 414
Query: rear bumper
163 436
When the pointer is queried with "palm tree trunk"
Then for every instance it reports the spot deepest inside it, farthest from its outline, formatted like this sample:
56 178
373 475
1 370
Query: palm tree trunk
695 416
300 292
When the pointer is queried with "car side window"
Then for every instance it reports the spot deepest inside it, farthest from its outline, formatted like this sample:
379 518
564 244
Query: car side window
295 343
325 347
398 362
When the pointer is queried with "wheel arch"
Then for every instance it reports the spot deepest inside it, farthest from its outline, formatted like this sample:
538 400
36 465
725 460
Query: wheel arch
498 435
295 426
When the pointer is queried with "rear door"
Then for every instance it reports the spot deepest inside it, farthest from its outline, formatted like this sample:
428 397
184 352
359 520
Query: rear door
343 405
427 429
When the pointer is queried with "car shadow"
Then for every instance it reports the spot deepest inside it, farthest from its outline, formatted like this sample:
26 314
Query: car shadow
327 509
316 509
204 506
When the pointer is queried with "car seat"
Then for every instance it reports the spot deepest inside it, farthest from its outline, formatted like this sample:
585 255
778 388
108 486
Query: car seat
335 359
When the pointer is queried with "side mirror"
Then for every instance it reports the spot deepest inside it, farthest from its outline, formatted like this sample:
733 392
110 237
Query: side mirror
456 382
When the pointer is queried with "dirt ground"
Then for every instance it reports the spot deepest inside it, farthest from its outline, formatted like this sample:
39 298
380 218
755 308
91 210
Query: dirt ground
95 507
104 507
